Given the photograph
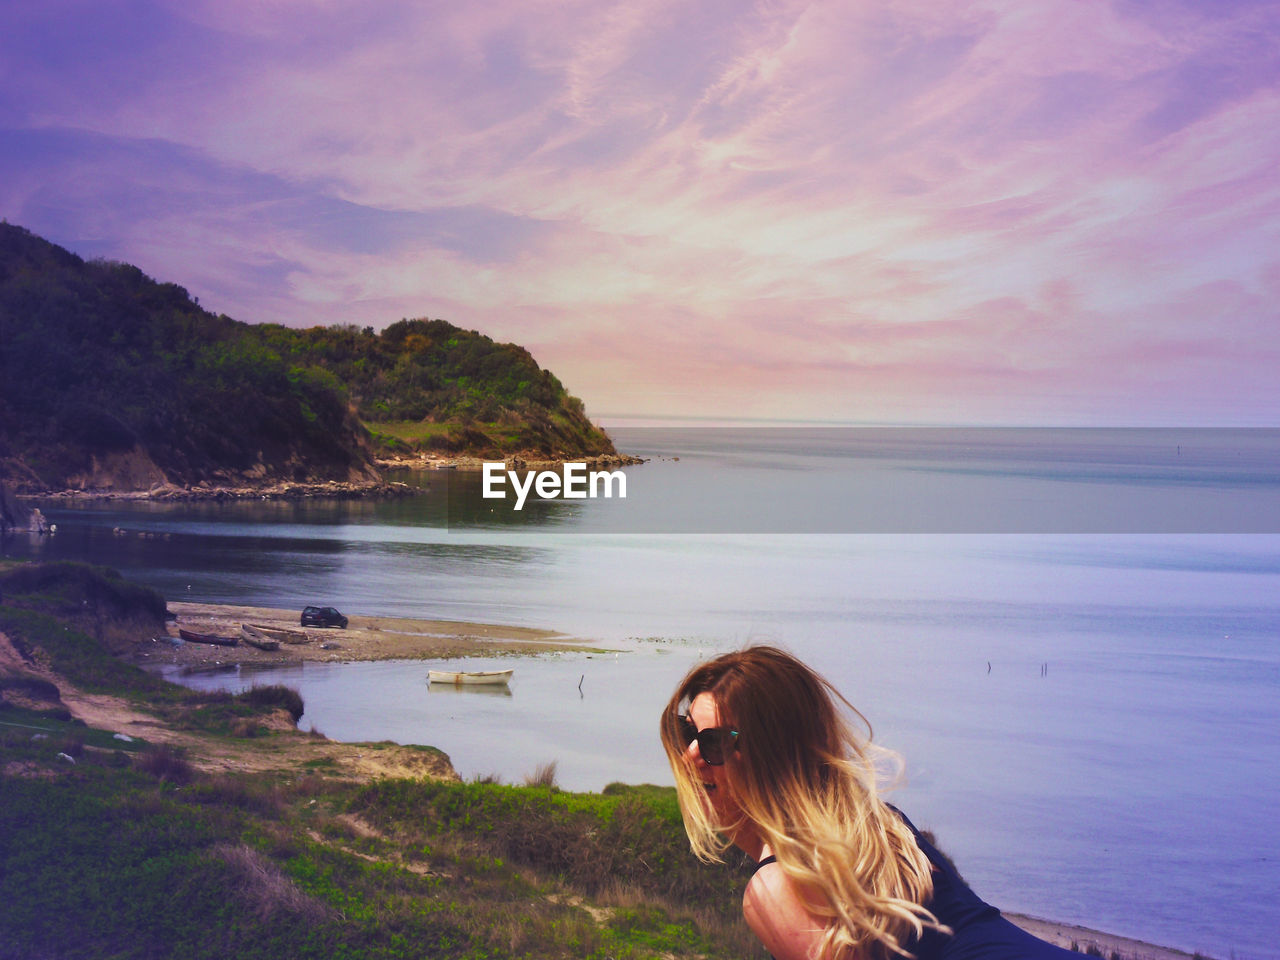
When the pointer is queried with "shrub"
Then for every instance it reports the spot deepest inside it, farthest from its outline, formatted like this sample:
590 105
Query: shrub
544 775
245 728
80 585
33 688
165 763
276 695
263 888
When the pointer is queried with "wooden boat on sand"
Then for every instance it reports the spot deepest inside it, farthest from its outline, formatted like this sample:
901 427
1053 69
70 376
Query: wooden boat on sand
470 677
192 637
283 634
256 638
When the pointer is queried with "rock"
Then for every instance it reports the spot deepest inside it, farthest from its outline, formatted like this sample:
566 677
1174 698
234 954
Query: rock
13 515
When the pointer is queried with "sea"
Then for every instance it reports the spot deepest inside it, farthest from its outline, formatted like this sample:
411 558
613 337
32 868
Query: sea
1071 637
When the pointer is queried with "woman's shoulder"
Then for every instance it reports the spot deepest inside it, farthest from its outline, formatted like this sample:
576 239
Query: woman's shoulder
763 862
779 913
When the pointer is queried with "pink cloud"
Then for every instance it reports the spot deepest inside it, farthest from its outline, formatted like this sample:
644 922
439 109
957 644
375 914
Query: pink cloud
870 209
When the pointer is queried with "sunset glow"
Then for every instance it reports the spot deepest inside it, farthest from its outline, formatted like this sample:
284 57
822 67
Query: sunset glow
1050 211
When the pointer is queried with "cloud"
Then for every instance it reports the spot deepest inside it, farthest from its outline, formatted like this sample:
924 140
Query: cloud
910 208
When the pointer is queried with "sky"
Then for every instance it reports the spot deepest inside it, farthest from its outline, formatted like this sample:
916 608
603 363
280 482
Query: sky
909 211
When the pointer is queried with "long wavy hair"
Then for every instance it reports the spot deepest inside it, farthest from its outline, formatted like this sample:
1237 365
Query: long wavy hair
807 783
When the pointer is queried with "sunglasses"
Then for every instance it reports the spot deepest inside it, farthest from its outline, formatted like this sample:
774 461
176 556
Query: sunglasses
713 742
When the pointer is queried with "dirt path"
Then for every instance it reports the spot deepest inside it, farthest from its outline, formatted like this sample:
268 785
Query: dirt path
285 749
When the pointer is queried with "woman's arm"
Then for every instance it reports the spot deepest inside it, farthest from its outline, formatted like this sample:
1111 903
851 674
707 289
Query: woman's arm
777 913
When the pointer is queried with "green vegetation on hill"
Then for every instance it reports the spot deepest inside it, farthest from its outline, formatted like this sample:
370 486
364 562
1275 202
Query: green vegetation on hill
426 384
108 377
114 859
111 849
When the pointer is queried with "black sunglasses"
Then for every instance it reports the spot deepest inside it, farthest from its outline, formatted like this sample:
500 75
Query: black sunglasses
713 742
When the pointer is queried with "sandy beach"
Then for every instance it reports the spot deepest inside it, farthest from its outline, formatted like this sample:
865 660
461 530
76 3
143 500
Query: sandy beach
364 638
1109 945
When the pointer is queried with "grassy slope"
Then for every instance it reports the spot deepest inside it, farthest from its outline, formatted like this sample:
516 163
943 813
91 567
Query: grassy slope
104 859
131 852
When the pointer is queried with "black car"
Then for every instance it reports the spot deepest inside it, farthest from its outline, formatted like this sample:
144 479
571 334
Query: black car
322 617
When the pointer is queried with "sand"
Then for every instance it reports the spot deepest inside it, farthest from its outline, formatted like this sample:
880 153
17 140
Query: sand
365 638
1065 934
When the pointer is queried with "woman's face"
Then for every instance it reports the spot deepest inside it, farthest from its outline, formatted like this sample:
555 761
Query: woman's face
704 713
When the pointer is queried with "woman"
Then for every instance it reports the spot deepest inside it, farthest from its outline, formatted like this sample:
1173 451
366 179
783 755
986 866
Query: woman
764 759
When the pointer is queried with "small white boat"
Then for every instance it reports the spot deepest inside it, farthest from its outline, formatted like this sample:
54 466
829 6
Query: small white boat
470 677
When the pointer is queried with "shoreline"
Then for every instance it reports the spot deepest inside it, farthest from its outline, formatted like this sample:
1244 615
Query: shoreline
403 638
364 638
1067 935
324 489
383 638
282 490
514 461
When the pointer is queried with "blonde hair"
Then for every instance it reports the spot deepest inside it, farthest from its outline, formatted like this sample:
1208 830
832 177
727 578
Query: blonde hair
807 782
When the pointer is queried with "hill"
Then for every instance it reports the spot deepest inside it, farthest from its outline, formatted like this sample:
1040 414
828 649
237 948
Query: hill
110 380
216 828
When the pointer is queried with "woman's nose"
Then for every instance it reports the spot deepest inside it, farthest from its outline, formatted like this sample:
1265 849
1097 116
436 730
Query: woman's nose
693 754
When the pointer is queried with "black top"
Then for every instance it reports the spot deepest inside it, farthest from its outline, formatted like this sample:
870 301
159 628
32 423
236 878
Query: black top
764 863
978 931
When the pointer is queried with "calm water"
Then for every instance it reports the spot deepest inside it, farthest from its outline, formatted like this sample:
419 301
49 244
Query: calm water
1087 696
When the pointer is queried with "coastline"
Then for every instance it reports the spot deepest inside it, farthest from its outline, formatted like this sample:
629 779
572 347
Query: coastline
381 638
401 638
243 489
364 638
513 461
1084 939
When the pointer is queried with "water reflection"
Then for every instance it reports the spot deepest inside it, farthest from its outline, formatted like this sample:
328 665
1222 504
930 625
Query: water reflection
187 674
392 557
473 689
468 509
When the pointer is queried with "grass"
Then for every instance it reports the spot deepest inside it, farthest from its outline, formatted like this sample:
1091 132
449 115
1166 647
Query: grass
72 652
55 729
276 695
50 620
544 775
128 850
117 864
146 856
625 849
409 430
240 715
449 437
110 861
